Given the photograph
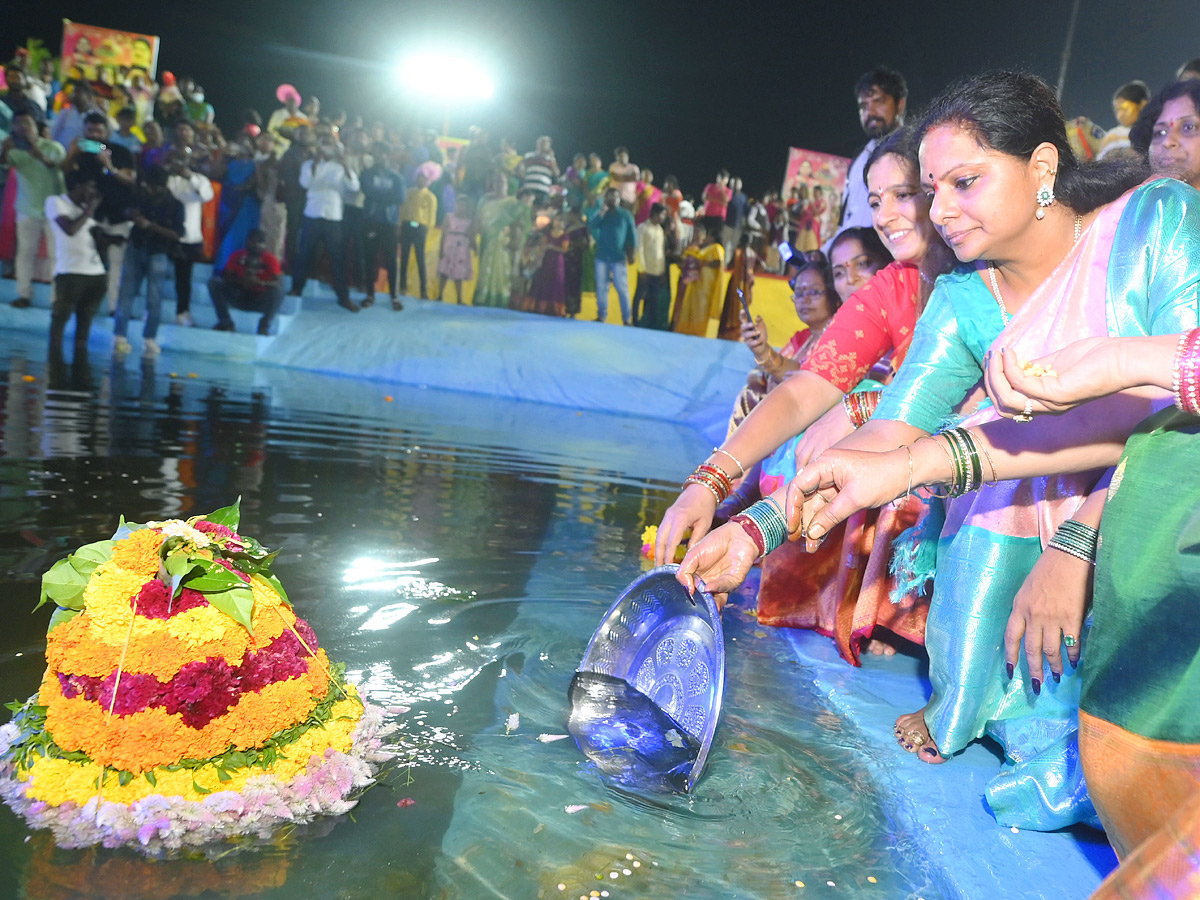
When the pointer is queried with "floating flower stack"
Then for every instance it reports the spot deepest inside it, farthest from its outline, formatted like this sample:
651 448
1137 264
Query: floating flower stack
184 702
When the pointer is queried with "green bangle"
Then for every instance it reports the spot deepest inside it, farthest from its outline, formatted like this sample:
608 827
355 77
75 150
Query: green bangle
767 515
1077 539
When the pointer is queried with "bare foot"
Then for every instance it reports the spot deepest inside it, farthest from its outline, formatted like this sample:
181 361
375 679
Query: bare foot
913 735
878 648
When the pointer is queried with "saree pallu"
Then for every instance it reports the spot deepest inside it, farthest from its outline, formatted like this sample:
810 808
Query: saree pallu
239 210
847 587
844 590
1140 706
1122 277
1163 866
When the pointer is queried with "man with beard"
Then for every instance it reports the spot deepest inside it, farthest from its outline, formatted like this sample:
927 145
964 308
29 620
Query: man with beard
881 95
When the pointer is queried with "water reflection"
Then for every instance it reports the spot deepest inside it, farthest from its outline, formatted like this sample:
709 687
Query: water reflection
456 552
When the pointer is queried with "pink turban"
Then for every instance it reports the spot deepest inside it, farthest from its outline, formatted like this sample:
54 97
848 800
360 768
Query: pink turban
431 170
284 91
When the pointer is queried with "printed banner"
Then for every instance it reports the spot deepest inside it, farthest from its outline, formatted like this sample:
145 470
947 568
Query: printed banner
100 53
813 184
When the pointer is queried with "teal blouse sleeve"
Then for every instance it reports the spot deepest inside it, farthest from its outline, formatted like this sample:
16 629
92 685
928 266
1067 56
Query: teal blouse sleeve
1154 268
945 360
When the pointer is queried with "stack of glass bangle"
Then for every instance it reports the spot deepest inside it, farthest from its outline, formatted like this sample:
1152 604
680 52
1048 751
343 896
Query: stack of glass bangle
1077 539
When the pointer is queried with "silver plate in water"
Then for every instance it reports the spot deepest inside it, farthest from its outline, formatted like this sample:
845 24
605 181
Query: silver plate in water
671 648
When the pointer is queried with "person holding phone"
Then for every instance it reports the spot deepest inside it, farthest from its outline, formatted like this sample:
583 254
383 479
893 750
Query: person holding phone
115 172
38 164
816 301
326 179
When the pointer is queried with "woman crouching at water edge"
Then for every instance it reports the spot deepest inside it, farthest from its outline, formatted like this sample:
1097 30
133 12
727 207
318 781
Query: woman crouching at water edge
1054 252
825 593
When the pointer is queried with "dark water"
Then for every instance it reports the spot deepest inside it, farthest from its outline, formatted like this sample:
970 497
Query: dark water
457 552
630 738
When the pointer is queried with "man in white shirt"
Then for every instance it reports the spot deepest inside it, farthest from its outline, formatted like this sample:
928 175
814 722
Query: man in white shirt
882 95
79 278
327 179
652 282
193 190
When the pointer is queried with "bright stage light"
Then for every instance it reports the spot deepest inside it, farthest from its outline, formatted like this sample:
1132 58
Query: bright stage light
445 77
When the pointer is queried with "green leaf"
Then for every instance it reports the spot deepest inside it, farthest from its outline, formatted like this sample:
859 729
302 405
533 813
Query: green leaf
125 529
237 603
60 617
198 789
97 552
179 567
229 516
124 777
150 777
63 584
212 578
222 775
273 582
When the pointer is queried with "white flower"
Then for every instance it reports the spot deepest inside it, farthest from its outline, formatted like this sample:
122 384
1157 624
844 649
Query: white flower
179 528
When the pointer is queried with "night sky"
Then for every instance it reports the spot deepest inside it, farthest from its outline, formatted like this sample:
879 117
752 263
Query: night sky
688 87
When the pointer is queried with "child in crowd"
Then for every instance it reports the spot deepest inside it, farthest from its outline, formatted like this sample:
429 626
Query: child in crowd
458 240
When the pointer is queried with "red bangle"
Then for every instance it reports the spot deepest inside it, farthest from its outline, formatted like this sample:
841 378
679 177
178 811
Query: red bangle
1186 374
717 473
751 528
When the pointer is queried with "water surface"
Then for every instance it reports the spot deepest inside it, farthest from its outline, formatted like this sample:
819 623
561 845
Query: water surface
457 552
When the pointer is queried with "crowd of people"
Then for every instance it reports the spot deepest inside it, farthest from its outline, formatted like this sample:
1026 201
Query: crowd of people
973 448
1011 298
342 200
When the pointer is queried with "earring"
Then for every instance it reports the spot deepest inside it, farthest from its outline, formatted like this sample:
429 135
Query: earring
1045 198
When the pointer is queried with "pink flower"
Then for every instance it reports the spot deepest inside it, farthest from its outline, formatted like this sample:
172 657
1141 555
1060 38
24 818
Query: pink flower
407 801
217 531
154 600
134 693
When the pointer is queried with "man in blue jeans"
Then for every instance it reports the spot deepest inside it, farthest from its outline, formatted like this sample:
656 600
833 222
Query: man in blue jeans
616 241
157 230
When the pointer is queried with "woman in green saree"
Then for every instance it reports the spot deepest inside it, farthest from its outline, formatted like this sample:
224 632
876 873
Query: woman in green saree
504 223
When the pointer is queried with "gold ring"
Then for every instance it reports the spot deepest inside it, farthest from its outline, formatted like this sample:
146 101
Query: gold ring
916 738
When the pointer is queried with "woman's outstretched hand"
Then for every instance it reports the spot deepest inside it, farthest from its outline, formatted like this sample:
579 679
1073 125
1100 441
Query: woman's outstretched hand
720 562
838 484
694 509
1049 608
1081 371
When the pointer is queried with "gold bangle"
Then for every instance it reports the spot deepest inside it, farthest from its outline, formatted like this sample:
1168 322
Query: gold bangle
738 462
949 457
908 490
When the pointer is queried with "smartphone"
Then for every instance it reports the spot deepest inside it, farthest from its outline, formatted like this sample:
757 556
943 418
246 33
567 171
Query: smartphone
745 306
20 142
87 146
785 251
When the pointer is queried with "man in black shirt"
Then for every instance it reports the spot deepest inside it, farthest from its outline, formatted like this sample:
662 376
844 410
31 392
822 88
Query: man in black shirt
114 170
291 192
15 98
157 229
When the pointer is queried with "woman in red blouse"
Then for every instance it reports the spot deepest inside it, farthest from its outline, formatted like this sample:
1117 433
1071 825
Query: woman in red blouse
818 591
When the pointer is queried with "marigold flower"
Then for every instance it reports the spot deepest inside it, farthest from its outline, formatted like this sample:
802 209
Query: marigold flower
139 552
